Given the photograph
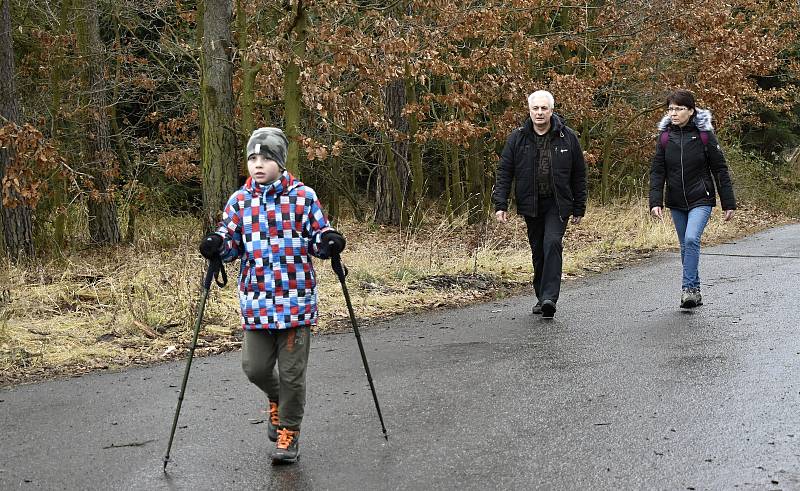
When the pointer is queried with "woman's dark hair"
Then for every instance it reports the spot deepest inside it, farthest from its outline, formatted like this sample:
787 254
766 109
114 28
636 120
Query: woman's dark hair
681 97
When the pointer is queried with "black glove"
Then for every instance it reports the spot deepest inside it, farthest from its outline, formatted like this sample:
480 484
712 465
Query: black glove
211 246
332 243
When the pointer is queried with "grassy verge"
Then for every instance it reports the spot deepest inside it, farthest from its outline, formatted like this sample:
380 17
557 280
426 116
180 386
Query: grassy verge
108 308
773 186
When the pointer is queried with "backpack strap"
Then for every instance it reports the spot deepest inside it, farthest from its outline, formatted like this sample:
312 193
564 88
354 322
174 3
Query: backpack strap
704 139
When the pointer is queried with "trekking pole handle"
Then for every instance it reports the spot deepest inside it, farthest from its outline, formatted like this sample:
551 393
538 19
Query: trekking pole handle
338 268
214 271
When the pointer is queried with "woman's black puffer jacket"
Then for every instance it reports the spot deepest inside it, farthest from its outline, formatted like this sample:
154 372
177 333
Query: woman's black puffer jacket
693 172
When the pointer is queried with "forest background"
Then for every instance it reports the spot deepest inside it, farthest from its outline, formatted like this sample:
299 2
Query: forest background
123 124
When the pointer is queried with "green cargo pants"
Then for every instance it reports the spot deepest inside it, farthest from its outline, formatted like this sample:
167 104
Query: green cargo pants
286 383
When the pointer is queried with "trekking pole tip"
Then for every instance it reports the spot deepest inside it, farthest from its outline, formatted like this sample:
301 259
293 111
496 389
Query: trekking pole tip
166 460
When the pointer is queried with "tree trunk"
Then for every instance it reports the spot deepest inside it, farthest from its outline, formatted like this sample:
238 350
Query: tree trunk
99 159
120 138
446 173
292 93
218 137
332 199
453 160
605 167
61 72
417 172
249 73
456 182
392 177
475 180
15 216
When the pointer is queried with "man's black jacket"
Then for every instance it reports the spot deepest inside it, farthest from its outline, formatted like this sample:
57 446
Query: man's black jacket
518 163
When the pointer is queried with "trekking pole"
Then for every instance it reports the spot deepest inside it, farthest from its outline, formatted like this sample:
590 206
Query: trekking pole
214 268
341 272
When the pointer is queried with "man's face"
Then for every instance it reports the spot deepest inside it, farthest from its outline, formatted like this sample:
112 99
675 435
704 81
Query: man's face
540 110
262 169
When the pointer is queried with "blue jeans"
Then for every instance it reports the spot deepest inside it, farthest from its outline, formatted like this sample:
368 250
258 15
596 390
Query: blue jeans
690 225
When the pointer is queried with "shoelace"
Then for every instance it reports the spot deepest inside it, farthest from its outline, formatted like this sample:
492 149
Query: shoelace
273 414
285 438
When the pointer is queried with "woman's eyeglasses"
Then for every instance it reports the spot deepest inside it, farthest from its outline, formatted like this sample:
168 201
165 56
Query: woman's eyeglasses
676 109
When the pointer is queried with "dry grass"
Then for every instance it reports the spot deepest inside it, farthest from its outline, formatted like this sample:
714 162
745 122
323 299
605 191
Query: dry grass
108 308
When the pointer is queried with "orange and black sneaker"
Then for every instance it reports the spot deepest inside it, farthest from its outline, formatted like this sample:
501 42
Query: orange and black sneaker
288 447
273 421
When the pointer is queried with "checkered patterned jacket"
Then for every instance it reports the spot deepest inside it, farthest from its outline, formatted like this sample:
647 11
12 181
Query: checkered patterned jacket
274 229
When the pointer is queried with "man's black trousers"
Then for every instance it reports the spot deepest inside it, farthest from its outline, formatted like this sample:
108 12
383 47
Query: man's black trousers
545 234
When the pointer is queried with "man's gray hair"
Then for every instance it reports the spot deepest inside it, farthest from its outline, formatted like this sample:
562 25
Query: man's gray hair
544 93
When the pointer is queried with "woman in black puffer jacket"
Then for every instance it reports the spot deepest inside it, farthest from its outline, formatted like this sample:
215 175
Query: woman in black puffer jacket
690 162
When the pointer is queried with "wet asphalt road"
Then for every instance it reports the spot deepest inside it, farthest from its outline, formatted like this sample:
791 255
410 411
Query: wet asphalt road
621 390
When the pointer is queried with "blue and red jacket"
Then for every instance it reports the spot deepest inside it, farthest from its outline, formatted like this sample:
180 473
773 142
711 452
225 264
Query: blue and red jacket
275 229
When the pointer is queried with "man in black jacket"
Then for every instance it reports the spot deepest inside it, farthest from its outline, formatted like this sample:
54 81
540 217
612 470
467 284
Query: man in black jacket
544 159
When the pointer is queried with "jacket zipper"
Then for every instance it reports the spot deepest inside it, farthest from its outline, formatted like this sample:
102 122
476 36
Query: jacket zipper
531 143
683 182
553 181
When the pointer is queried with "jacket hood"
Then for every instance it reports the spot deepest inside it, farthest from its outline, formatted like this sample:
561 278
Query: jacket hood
701 119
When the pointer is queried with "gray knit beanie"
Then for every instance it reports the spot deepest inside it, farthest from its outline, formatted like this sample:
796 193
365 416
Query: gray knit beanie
269 142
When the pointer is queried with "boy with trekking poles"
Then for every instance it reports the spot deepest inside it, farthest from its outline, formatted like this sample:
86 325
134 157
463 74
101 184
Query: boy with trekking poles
274 224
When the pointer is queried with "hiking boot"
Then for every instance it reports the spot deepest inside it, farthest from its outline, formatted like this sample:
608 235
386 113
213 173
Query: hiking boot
698 298
537 309
686 300
548 309
288 447
273 421
691 298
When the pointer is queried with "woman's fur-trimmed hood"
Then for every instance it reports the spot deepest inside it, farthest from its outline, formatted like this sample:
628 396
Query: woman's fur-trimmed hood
701 119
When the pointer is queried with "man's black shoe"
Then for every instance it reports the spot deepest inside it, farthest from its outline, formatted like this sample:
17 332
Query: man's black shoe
548 309
537 309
